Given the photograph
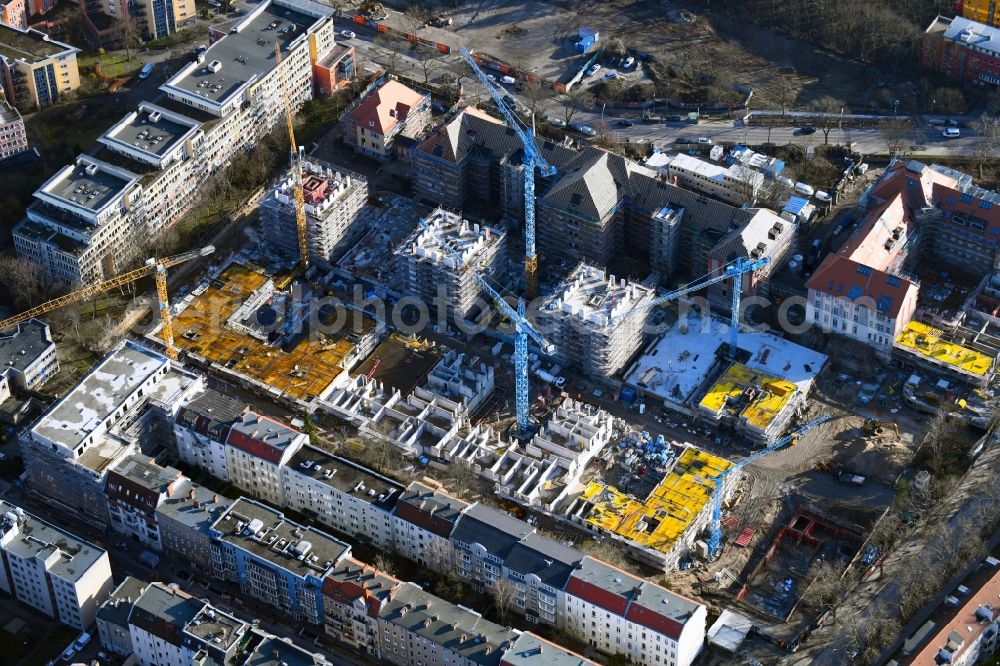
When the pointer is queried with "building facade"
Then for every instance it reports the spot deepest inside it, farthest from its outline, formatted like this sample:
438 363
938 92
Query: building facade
257 449
29 355
423 522
13 138
963 49
35 70
392 110
50 569
184 521
134 489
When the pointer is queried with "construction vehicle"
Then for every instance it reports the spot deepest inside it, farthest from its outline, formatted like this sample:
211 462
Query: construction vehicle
522 329
373 10
301 227
734 270
156 267
876 427
532 158
715 538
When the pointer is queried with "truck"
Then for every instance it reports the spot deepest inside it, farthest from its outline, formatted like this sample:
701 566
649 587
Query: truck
149 558
549 378
850 479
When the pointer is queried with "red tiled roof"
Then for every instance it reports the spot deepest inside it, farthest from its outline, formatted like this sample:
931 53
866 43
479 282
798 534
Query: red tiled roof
386 106
609 601
655 621
844 278
254 447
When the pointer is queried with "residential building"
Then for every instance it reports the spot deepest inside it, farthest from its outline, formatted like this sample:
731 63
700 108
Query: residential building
50 569
539 569
165 17
392 110
274 560
28 355
35 69
354 595
134 489
983 11
334 201
153 19
202 428
335 70
113 617
70 450
735 184
14 13
185 520
423 521
531 650
417 628
340 494
618 613
482 539
86 223
426 270
595 321
13 138
257 449
273 651
465 379
963 49
209 113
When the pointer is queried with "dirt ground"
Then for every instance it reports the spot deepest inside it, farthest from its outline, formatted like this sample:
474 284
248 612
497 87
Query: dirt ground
539 37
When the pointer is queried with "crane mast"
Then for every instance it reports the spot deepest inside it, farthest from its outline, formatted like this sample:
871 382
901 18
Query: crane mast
301 226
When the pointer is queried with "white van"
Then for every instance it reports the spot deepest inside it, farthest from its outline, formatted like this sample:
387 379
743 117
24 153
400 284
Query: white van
146 70
951 133
822 196
508 80
804 190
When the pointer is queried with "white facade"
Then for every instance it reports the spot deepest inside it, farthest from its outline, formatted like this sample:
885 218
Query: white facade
202 451
734 184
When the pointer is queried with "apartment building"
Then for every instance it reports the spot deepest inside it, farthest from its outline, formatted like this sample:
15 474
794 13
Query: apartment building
14 13
423 521
427 270
354 595
983 11
335 70
334 201
35 69
134 489
70 450
13 138
963 50
201 429
618 613
539 568
50 569
28 355
155 19
275 560
112 617
390 111
529 649
86 223
220 105
257 449
339 494
481 540
596 321
185 520
735 184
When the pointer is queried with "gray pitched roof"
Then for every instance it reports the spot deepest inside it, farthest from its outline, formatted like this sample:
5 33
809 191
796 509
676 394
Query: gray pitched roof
532 650
497 532
551 561
594 183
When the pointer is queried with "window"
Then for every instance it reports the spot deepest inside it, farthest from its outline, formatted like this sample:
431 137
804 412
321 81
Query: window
966 198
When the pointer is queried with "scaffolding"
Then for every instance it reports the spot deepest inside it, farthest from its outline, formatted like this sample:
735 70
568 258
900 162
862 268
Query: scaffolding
929 344
756 397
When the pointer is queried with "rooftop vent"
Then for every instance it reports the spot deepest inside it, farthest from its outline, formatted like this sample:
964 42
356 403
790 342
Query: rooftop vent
214 66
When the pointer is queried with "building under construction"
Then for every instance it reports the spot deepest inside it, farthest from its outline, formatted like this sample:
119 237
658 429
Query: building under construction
428 271
334 201
579 319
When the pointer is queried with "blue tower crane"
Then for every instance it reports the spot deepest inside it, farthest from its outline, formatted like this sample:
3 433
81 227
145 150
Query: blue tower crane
532 158
522 328
715 540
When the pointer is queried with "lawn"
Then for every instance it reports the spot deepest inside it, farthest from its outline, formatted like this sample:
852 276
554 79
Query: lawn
113 65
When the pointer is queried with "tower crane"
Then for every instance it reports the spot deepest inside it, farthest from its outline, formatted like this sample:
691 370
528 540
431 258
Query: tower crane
301 227
522 328
532 158
715 540
734 270
156 267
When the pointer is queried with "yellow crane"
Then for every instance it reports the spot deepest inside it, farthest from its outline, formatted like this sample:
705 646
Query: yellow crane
300 201
157 267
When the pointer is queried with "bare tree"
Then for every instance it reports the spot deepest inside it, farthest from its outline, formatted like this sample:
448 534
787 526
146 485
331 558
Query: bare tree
828 108
129 33
430 62
894 136
574 101
827 589
503 593
987 133
23 281
533 94
384 564
884 535
388 46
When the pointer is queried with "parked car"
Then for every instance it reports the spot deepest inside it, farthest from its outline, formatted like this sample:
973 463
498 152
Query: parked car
558 122
804 189
951 133
808 129
347 34
508 80
583 129
705 140
593 69
146 70
673 118
82 641
624 122
68 654
629 61
610 74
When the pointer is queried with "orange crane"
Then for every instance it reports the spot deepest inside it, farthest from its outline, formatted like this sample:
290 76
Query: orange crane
300 200
157 267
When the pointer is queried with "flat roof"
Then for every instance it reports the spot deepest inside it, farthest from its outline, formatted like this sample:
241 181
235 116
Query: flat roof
467 239
98 394
346 477
151 129
399 364
216 629
30 45
21 348
119 605
67 556
245 53
679 362
931 344
971 34
198 508
591 294
8 114
279 540
143 470
89 184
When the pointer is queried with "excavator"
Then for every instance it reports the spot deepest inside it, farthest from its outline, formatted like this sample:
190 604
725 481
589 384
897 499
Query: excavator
877 427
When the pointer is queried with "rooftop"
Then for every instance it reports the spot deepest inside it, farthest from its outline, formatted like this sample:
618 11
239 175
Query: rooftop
30 45
970 34
262 436
245 54
351 580
21 348
324 185
277 652
932 344
346 477
841 277
399 364
143 470
714 171
64 555
164 611
211 413
531 650
592 295
267 534
151 130
467 240
494 530
119 605
755 396
8 113
89 184
551 561
96 397
216 629
198 508
386 106
431 509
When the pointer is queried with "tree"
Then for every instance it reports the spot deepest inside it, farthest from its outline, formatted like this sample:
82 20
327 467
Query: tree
503 593
23 281
573 101
828 119
533 94
893 135
129 33
885 534
828 588
389 45
987 133
384 564
430 61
